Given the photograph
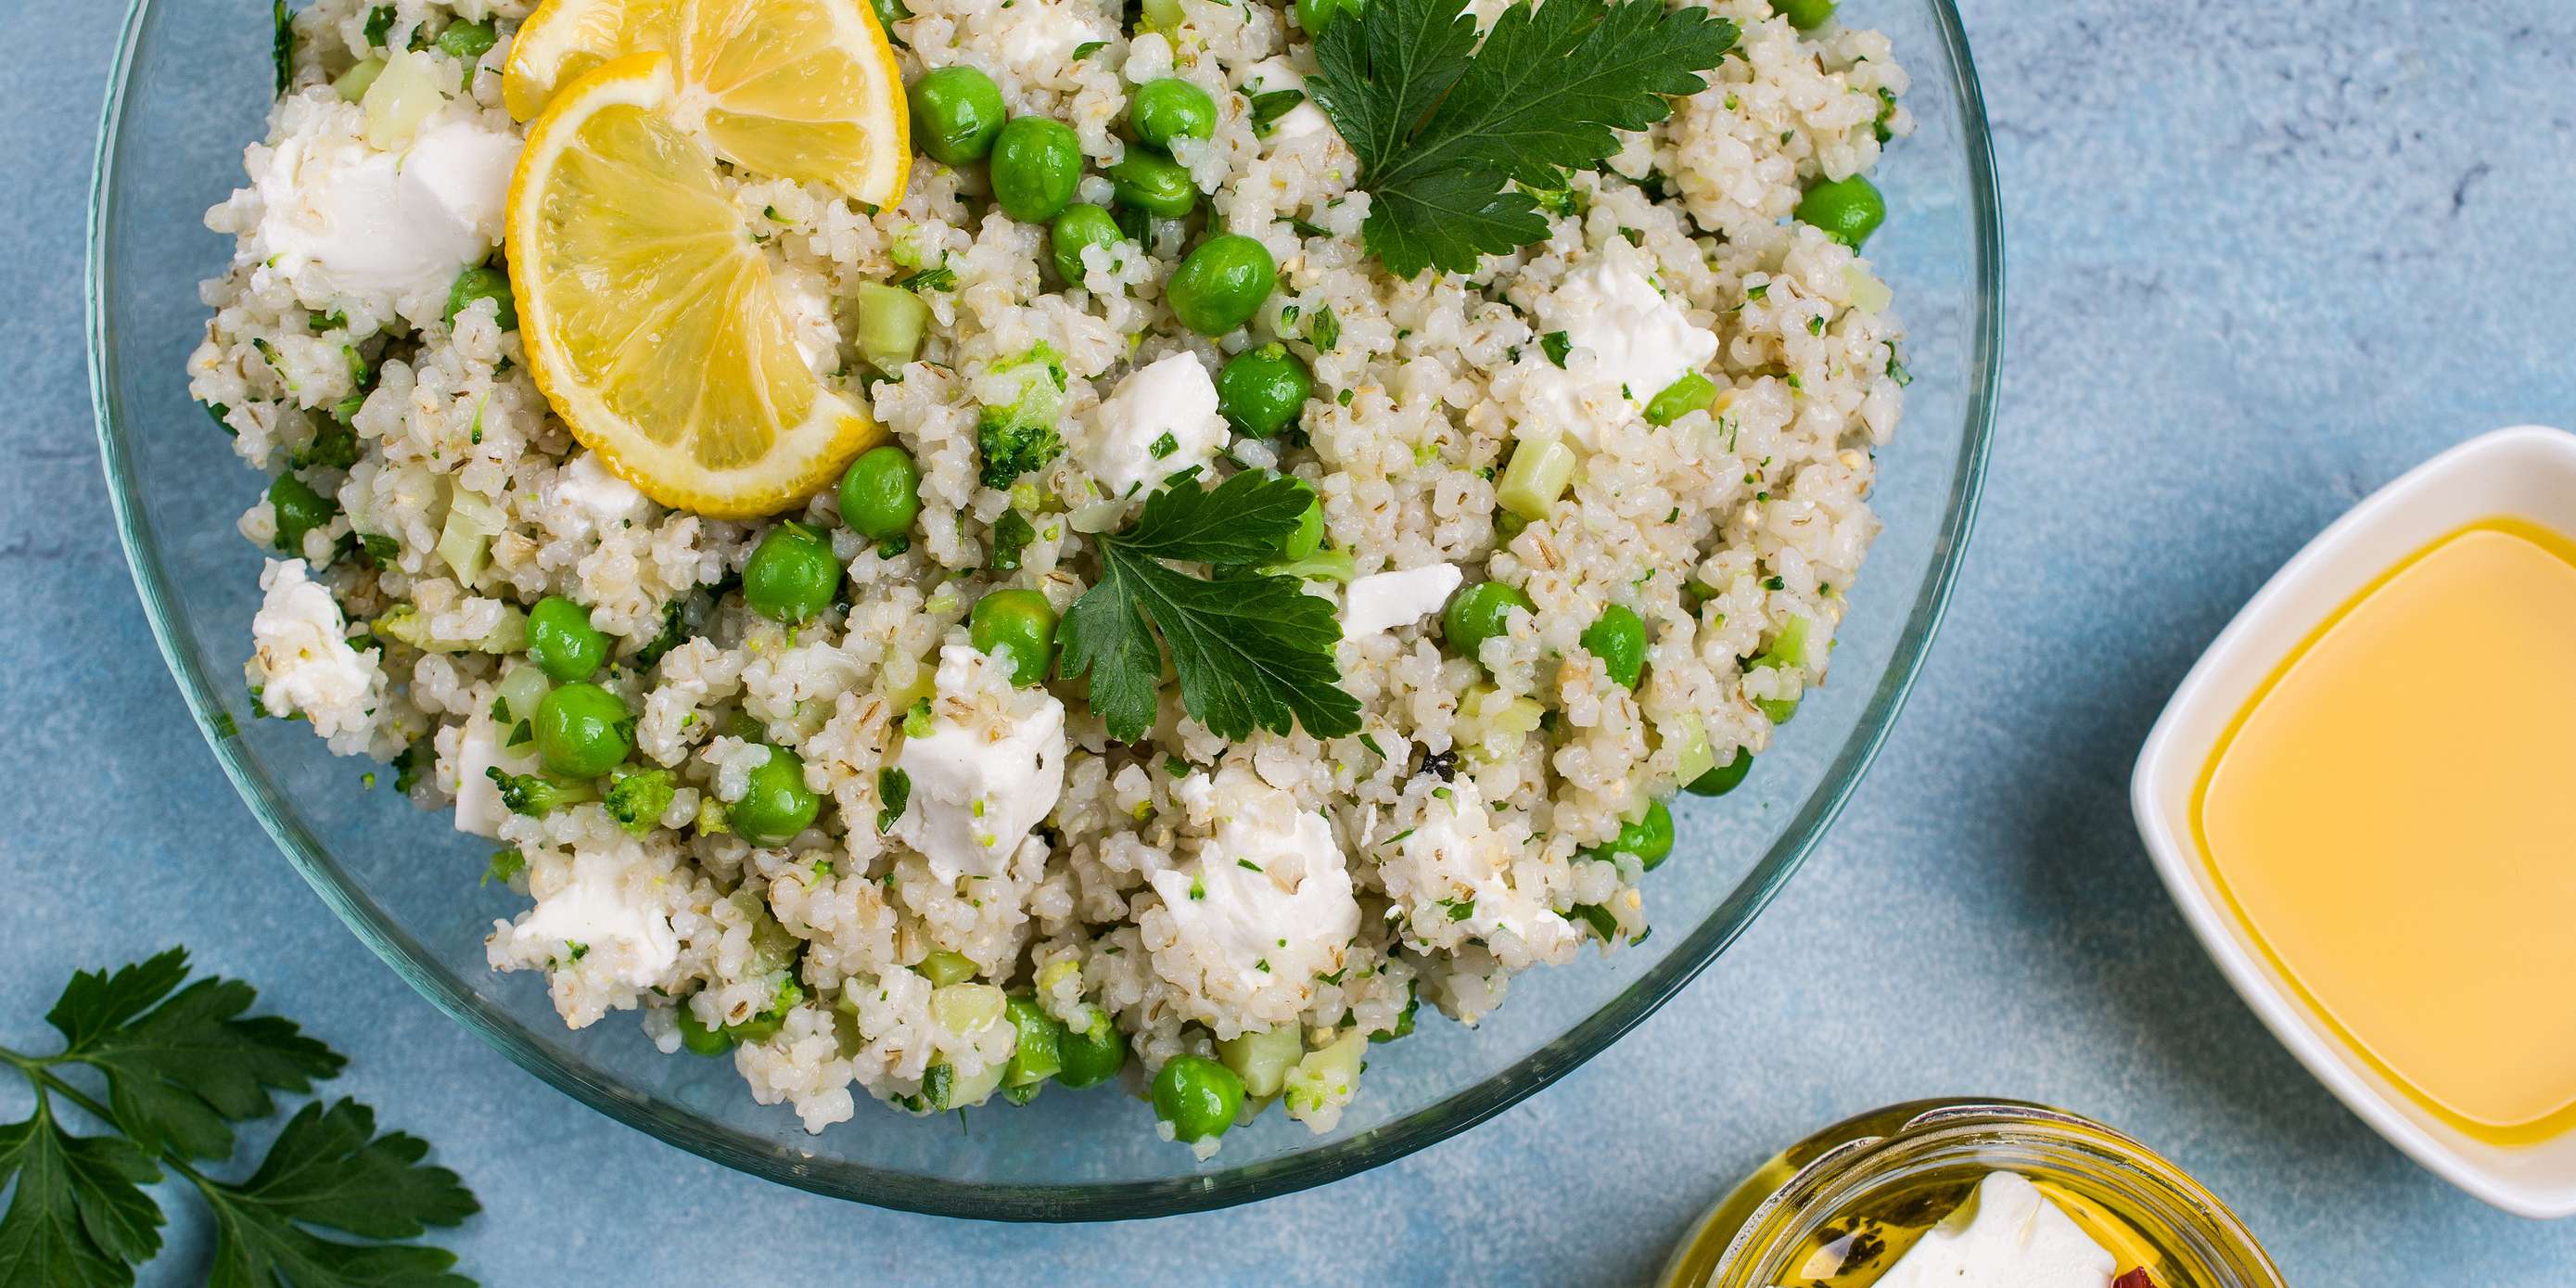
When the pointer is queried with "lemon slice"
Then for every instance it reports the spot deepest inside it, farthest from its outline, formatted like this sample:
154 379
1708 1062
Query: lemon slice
649 315
801 89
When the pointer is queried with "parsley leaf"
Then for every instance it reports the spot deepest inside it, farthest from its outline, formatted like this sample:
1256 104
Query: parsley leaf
1443 128
329 1170
80 1215
181 1066
181 1063
281 44
1251 651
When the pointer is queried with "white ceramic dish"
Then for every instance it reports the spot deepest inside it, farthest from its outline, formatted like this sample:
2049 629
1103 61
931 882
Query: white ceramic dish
2527 472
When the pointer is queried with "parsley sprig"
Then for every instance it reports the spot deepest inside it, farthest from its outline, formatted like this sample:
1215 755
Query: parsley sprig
181 1065
1251 650
1443 128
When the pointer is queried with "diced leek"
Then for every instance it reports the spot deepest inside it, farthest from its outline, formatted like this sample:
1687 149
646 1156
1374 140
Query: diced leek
1868 294
399 98
907 690
1326 1077
353 83
1696 756
465 541
1693 392
1538 474
945 968
967 1009
522 689
1262 1058
890 324
965 1091
1789 648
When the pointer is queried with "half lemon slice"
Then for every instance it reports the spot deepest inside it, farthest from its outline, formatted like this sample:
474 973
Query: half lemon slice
652 321
799 89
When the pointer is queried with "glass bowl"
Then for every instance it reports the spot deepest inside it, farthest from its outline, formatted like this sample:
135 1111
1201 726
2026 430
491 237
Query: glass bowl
191 88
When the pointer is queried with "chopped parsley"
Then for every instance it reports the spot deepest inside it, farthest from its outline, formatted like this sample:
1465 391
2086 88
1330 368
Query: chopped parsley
1556 344
894 792
1445 125
1325 331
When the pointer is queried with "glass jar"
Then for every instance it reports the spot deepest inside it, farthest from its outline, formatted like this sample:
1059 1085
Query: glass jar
1808 1210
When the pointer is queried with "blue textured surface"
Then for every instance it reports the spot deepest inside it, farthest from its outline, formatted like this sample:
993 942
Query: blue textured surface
2264 258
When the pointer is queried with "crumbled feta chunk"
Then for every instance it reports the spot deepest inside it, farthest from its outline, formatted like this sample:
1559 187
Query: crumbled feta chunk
302 663
1305 120
382 225
595 497
478 751
1624 337
1161 419
2007 1235
1383 601
989 770
603 920
1264 907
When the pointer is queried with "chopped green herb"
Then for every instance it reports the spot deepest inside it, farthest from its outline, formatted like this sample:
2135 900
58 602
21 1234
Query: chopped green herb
1011 535
281 44
894 792
1325 332
1556 344
504 865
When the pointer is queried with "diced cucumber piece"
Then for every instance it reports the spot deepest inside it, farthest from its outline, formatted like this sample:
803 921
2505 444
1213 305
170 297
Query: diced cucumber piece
1262 1058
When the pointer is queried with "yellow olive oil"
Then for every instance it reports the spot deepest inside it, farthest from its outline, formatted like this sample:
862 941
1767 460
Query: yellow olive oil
2392 817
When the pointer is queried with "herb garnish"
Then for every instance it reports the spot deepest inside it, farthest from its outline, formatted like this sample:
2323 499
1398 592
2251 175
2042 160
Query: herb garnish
1252 651
1444 127
181 1065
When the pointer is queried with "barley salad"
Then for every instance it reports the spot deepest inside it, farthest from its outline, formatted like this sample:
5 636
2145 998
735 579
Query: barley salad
1094 546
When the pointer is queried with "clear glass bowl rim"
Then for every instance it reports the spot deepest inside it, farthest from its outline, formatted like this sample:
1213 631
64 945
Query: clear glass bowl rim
1124 1200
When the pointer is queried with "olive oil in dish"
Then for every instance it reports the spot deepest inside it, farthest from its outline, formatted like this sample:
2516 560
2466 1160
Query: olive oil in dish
2392 818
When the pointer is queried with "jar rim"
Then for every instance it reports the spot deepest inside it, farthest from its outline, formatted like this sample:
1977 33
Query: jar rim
2203 1240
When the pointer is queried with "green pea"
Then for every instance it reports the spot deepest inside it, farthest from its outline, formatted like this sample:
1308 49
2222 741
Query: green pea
1805 15
1222 284
298 509
1618 638
776 804
881 493
1315 15
1260 391
697 1037
1197 1096
956 111
791 575
1039 1052
1479 613
466 40
1093 1054
562 641
1649 837
1724 778
1017 626
1079 229
1037 163
1168 109
1155 185
583 731
1848 210
483 283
